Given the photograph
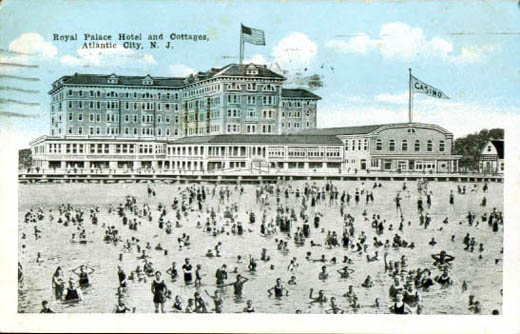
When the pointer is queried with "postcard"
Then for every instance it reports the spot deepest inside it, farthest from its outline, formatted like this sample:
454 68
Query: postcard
273 166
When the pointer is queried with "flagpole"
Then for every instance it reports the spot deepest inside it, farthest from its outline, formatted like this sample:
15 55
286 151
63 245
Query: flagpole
410 98
241 46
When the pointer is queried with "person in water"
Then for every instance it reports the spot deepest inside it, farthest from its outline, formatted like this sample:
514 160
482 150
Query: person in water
217 300
188 272
319 299
399 306
83 273
58 283
46 308
442 258
159 291
177 305
334 309
121 307
249 307
73 292
172 271
278 289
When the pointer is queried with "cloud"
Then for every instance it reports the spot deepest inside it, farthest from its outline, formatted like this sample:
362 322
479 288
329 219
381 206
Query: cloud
180 70
392 98
27 49
357 44
118 56
294 52
33 44
399 41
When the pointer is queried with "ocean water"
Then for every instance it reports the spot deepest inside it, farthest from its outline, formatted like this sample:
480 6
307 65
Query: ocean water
483 276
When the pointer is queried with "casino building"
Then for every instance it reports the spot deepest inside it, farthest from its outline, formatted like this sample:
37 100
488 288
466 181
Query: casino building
238 117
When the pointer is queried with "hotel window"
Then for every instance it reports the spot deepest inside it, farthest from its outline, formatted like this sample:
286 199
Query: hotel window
429 146
98 130
391 145
91 130
167 131
91 105
251 99
70 116
70 92
251 86
80 130
70 130
98 105
365 145
353 145
135 131
159 131
127 118
91 93
80 93
404 145
127 131
70 104
98 118
91 117
80 104
346 145
417 146
442 146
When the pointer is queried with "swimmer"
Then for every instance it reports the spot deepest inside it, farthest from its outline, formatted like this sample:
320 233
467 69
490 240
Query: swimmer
278 289
217 300
323 274
334 309
319 299
249 307
159 291
46 308
121 307
368 282
83 273
177 304
399 306
73 292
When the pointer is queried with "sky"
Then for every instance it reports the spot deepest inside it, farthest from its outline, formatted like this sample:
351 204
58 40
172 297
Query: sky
359 50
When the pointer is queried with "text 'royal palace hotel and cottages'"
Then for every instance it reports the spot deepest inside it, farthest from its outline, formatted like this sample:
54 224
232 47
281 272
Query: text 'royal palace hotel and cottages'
230 118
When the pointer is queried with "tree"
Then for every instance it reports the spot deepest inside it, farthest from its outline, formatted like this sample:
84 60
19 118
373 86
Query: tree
471 145
24 158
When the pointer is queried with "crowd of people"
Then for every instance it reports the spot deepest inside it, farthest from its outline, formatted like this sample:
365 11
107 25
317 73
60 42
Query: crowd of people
342 224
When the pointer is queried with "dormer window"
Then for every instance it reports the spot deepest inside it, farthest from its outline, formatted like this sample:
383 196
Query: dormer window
252 70
148 81
112 79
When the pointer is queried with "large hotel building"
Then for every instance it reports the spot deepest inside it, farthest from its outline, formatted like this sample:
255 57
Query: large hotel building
234 117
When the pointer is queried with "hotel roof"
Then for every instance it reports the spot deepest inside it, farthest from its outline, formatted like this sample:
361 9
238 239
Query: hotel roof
96 79
298 93
368 129
499 146
261 139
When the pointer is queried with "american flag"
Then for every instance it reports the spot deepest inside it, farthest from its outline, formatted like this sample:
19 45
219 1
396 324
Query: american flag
252 35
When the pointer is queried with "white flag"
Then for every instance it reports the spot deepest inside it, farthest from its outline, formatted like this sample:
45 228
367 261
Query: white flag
420 87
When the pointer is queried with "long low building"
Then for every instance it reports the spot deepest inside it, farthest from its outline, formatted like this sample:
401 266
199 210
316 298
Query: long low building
401 147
